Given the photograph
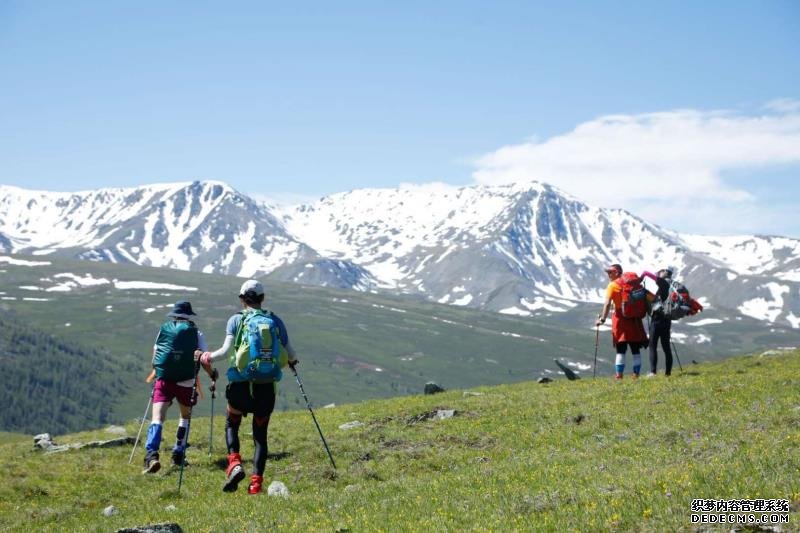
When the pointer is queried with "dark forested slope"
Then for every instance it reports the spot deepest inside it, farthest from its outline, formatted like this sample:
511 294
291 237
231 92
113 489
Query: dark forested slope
51 385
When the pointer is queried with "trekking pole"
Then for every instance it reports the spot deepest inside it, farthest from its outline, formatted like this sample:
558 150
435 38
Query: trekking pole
676 356
302 390
213 389
146 409
596 343
189 424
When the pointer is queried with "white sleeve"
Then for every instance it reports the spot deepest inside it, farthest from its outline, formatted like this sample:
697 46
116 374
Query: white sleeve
220 353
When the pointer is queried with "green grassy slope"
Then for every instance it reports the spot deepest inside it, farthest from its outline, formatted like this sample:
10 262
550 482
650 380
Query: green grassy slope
352 345
587 455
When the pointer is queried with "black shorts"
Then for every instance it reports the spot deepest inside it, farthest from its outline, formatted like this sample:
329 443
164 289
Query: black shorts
256 398
622 347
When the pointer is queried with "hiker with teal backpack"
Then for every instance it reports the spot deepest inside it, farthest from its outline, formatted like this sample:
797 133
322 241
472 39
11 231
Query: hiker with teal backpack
176 374
260 348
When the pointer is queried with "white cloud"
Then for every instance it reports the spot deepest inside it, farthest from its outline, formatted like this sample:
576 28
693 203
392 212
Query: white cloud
783 105
667 161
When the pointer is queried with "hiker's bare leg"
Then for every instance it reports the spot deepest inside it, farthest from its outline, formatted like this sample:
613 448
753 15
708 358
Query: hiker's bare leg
160 412
186 411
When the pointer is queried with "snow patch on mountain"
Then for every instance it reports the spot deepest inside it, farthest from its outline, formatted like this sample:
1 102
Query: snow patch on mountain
792 275
764 308
745 254
145 285
704 322
22 262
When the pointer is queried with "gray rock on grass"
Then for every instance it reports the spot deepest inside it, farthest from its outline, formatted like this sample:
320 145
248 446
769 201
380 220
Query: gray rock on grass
277 488
351 425
444 414
43 441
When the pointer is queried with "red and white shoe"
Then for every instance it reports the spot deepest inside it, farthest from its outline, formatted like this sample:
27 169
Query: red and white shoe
234 473
255 484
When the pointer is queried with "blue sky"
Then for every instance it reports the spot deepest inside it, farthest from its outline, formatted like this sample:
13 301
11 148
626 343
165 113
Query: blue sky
297 100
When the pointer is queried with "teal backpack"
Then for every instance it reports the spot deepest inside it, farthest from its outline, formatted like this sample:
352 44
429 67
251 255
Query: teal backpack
175 346
258 353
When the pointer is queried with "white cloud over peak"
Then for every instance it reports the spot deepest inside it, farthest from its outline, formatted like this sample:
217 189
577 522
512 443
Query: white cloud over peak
658 158
783 105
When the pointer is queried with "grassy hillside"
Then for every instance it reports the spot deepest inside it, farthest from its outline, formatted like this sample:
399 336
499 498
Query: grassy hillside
353 346
587 455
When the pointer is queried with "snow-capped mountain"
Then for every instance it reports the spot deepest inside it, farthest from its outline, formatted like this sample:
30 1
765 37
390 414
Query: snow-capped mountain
521 249
190 226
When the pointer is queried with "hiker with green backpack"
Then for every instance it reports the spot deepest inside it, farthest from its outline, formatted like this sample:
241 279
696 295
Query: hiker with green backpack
176 378
261 347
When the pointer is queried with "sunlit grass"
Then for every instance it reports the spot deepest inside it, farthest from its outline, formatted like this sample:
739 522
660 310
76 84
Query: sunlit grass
585 455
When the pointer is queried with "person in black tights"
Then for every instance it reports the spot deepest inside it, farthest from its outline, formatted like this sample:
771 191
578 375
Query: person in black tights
256 397
660 324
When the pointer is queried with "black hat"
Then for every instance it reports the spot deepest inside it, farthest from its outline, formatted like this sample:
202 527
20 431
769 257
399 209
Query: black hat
182 310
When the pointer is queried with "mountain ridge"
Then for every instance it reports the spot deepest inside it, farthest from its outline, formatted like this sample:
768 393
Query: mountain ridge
520 249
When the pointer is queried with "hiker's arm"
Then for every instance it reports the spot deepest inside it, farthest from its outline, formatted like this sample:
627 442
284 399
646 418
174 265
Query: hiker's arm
650 275
283 336
207 358
292 354
155 348
604 314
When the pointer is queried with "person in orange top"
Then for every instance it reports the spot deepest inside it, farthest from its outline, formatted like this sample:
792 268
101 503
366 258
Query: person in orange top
624 331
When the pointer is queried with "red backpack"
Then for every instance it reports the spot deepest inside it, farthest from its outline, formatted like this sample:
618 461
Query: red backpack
634 296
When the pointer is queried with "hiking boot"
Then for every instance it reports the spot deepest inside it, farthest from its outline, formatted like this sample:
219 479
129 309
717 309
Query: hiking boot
634 376
151 463
234 473
618 376
255 484
178 458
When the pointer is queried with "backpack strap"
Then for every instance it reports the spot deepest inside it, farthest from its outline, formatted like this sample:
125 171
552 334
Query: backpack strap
673 287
